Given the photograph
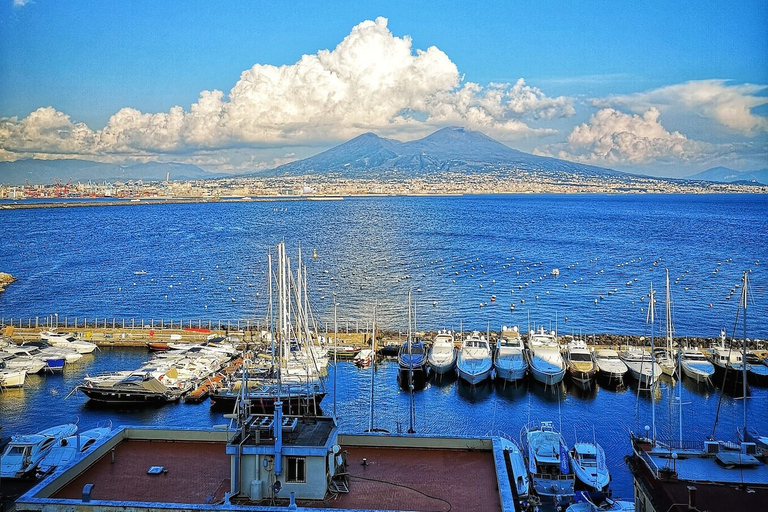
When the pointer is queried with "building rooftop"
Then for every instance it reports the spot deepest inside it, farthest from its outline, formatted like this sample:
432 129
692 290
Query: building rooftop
189 469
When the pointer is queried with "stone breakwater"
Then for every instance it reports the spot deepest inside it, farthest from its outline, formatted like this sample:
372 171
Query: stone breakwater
5 280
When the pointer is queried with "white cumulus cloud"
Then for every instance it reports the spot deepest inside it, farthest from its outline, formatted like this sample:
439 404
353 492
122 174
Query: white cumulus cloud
612 137
730 105
371 81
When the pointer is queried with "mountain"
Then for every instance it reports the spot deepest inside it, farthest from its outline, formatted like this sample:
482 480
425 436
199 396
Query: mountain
726 175
447 150
46 171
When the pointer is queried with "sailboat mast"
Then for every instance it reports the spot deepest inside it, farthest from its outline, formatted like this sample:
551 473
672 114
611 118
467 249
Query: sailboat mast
335 354
744 349
373 366
651 306
410 367
669 317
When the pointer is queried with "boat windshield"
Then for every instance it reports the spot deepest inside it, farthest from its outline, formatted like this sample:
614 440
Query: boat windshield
580 357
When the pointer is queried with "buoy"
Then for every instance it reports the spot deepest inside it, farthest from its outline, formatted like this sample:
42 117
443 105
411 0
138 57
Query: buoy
314 254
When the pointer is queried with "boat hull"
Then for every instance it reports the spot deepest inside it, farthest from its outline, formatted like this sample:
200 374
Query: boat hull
117 396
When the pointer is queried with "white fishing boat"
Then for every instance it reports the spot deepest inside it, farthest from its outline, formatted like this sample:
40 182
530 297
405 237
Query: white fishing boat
474 362
548 463
641 365
441 357
588 462
514 457
24 452
610 366
579 363
71 448
509 359
695 365
67 340
544 358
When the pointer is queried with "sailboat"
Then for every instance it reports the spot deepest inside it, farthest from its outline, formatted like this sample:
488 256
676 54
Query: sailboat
412 358
295 382
663 355
371 427
641 365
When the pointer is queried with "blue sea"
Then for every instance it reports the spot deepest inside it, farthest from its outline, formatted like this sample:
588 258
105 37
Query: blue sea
207 262
467 260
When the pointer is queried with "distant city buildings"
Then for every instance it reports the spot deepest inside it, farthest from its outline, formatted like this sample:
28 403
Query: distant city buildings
499 181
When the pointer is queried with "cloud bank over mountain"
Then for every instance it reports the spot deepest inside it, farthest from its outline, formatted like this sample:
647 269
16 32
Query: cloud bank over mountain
374 81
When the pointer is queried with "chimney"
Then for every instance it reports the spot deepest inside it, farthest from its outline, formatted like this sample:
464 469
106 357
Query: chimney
692 497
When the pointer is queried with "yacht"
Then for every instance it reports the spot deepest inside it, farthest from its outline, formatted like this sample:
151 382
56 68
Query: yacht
24 452
609 366
67 340
11 377
442 354
727 362
544 358
641 366
695 365
412 361
474 362
53 362
588 462
71 448
548 462
509 359
581 367
29 364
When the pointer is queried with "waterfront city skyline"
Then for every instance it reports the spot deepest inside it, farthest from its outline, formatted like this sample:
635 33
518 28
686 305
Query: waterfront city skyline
652 88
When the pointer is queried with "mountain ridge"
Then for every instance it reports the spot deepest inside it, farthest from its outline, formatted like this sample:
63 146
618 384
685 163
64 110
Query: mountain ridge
450 149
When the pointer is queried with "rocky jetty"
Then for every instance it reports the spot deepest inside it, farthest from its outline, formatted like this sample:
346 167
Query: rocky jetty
5 280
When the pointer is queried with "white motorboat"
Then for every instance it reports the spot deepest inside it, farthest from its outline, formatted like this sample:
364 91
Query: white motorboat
579 363
442 355
548 462
474 362
588 462
364 358
71 448
514 457
544 358
67 340
31 365
695 365
509 359
53 362
24 452
11 378
584 502
641 365
727 361
610 366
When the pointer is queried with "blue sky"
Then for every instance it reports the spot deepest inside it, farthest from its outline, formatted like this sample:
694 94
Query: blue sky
659 88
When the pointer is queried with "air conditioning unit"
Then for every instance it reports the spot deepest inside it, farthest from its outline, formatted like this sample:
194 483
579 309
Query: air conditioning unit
711 447
748 449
